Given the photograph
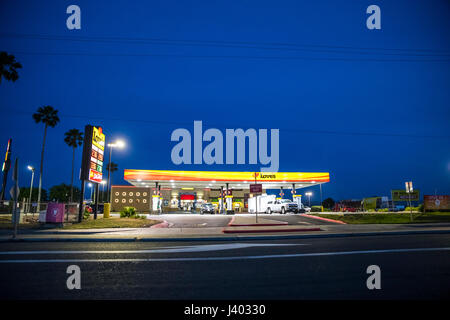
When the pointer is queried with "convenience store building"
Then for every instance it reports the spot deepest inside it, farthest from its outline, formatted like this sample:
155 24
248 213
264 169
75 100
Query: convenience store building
169 190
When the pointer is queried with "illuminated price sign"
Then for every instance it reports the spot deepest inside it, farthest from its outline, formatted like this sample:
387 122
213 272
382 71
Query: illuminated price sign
93 154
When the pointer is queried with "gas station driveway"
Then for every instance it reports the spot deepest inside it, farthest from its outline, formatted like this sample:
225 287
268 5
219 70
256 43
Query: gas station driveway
192 220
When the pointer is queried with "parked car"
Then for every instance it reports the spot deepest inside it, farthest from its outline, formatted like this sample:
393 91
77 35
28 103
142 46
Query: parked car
303 209
207 208
396 208
282 206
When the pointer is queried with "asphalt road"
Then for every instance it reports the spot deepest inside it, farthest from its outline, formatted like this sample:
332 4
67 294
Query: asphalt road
412 267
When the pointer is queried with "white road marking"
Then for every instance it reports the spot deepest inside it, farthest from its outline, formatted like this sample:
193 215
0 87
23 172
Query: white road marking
173 249
297 255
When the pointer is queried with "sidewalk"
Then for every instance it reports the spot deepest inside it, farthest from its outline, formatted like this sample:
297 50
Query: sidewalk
217 233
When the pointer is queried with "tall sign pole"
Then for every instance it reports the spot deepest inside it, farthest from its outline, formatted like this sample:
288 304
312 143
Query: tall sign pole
5 168
96 200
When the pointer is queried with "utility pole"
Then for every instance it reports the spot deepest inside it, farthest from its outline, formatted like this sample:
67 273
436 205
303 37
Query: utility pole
109 173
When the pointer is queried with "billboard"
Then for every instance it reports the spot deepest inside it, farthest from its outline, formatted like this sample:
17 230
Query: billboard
93 154
402 195
436 202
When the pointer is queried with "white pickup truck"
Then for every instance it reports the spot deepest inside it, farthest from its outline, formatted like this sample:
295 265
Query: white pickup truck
282 206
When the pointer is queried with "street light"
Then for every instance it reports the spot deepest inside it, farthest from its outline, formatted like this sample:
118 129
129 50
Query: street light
90 186
118 144
309 194
31 187
103 190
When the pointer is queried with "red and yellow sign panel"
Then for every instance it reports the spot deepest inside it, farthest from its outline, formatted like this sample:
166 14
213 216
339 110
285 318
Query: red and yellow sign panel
93 154
97 152
226 176
436 202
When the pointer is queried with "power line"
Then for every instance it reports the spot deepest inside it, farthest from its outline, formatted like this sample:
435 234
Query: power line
181 41
222 57
221 125
241 45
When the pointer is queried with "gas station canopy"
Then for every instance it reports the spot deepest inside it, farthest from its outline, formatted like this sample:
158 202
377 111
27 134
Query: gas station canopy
216 179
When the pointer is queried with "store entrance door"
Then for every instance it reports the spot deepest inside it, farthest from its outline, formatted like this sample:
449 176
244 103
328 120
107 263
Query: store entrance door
187 202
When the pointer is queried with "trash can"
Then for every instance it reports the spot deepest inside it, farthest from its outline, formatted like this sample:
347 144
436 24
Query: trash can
55 213
106 210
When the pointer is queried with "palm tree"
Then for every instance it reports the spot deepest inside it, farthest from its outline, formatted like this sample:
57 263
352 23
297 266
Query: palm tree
8 66
110 169
73 138
49 117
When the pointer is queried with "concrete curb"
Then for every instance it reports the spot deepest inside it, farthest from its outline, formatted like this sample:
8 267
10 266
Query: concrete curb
271 230
163 224
232 220
324 219
228 238
259 225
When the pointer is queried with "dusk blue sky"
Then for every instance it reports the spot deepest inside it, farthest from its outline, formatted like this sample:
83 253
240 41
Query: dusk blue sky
369 106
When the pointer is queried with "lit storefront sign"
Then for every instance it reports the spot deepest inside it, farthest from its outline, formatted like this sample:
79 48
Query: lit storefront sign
93 154
208 176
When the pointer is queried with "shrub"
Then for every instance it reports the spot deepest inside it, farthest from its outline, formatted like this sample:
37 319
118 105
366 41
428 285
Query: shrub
421 208
383 210
128 212
412 208
87 212
316 209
